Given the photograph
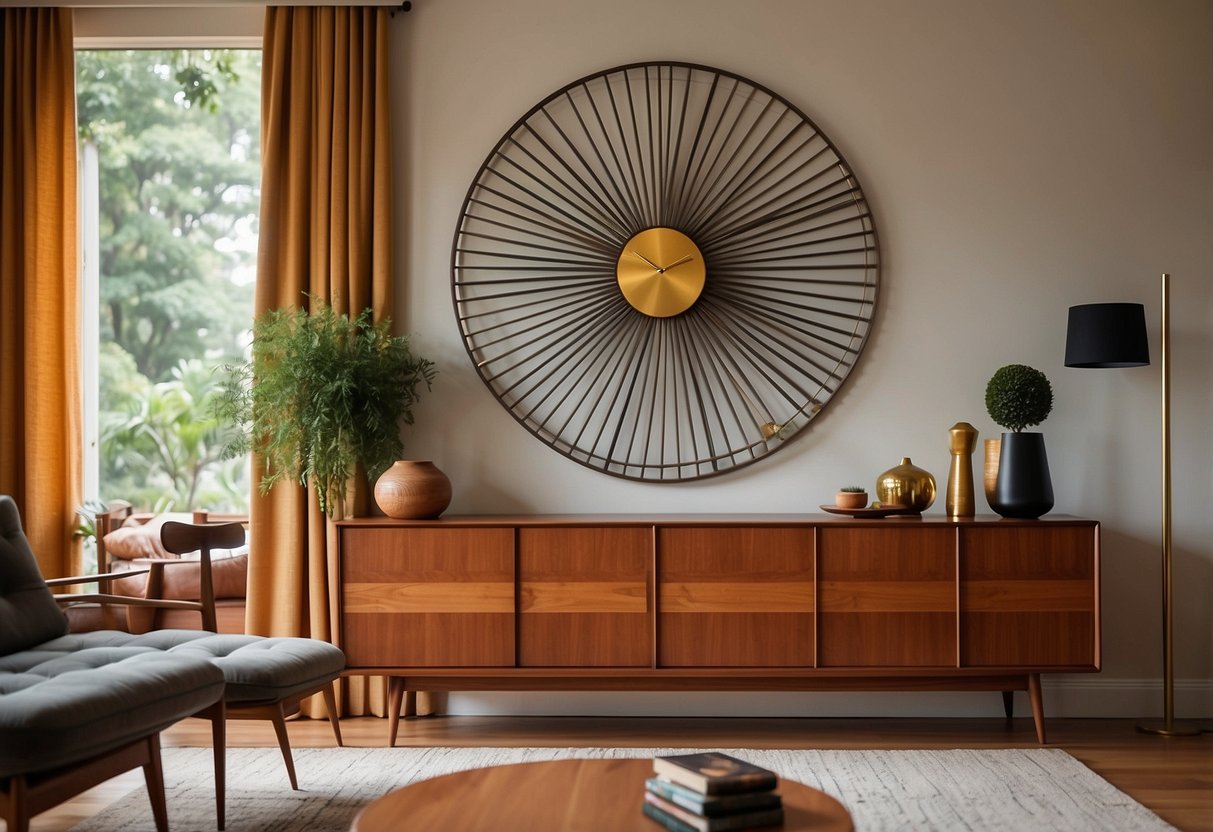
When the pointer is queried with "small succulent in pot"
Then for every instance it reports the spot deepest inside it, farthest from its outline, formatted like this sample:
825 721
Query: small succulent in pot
851 496
1018 397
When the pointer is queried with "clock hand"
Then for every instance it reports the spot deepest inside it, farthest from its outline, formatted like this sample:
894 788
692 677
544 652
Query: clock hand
645 259
685 259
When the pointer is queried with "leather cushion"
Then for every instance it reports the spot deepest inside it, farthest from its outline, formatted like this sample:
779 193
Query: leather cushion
141 540
182 580
136 538
64 707
28 613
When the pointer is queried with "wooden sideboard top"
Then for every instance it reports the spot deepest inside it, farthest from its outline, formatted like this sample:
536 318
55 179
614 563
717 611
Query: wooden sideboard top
533 520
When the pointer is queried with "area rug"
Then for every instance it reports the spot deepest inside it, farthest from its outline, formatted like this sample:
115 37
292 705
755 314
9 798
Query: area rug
982 789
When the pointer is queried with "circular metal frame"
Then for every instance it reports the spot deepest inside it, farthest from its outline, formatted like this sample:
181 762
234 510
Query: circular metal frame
789 247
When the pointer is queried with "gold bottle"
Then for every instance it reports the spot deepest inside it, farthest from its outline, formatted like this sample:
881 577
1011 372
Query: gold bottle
959 500
906 485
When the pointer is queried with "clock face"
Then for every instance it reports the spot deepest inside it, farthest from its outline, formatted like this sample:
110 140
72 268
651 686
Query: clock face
664 271
661 272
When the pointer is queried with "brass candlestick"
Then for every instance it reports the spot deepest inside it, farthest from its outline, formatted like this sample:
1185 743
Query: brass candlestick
959 501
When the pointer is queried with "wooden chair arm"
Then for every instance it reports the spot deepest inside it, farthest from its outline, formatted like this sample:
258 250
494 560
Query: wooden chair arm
72 598
90 579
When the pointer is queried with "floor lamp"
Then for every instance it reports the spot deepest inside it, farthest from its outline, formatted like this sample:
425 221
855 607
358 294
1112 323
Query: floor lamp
1114 335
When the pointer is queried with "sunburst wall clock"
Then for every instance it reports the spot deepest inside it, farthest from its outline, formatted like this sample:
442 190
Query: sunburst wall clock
665 271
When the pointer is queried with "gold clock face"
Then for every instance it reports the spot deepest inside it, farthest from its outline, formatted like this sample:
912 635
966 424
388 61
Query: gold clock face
664 271
661 272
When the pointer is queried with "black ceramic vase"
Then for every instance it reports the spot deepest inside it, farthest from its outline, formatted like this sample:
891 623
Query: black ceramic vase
1023 489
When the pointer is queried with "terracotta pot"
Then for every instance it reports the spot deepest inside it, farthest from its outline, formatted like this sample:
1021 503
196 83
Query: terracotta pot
851 499
413 490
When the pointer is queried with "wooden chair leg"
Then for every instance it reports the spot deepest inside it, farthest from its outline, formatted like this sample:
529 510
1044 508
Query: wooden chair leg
1008 703
17 810
217 714
153 776
330 705
1038 707
395 691
284 742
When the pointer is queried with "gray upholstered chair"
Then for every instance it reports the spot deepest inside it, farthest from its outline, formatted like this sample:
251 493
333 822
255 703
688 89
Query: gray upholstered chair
75 711
267 678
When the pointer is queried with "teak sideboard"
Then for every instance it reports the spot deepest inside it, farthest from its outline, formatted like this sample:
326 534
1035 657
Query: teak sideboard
718 602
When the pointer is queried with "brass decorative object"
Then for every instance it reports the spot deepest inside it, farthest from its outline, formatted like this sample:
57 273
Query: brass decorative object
661 272
906 485
664 271
959 499
1113 335
990 471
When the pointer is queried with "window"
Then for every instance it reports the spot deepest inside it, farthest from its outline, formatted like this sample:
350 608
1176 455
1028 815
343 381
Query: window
170 174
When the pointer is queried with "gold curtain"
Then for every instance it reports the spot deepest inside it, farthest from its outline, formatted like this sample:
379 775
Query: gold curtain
40 408
326 228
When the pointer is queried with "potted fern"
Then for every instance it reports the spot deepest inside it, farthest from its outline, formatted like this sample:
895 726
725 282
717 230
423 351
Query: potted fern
1018 397
322 395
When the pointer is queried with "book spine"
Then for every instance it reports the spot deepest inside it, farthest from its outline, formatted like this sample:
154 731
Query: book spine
667 820
760 781
691 819
723 823
712 806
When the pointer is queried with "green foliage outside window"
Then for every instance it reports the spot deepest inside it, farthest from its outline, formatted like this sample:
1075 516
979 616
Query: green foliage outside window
178 149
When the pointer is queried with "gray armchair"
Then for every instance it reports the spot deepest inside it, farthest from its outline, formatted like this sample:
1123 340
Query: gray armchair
76 711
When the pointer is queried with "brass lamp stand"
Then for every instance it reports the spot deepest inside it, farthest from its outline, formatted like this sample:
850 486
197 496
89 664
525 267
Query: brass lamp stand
1114 335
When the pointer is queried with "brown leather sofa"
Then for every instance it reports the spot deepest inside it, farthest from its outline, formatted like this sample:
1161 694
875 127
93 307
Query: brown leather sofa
128 540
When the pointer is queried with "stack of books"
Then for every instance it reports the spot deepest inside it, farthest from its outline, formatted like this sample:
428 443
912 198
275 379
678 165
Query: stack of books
711 792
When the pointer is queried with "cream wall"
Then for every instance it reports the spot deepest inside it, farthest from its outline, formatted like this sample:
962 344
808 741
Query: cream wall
1020 157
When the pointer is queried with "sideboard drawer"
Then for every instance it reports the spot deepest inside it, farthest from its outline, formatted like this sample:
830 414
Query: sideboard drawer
735 597
1028 597
583 597
888 596
427 597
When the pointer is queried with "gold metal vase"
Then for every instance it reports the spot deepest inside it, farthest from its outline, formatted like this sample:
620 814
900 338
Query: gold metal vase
906 485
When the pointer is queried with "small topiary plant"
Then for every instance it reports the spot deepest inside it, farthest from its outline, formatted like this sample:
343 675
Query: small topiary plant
1019 397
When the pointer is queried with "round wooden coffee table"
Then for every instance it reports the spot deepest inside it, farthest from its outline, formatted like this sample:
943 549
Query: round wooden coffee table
559 794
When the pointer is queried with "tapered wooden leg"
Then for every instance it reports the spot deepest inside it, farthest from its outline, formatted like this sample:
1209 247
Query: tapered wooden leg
395 697
1008 703
330 705
218 716
284 742
1038 707
17 814
153 776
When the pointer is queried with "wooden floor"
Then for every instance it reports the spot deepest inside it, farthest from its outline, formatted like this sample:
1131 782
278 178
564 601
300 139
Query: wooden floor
1173 777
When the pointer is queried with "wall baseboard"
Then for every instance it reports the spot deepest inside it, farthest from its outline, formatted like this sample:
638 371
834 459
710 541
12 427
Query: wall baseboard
1064 697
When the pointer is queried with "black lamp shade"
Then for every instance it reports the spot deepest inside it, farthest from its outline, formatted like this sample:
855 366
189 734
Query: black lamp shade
1107 335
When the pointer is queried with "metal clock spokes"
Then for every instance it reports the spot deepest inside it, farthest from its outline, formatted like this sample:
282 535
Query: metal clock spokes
664 271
